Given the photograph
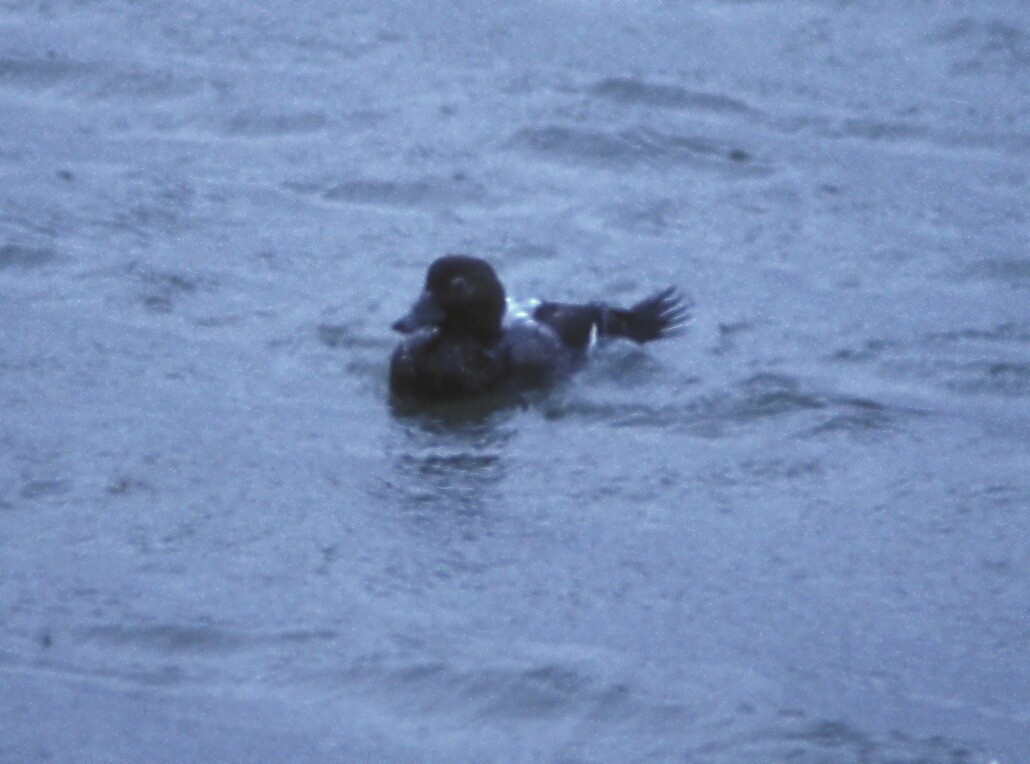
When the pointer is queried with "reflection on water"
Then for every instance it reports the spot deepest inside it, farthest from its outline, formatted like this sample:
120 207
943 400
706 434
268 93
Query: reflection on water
447 461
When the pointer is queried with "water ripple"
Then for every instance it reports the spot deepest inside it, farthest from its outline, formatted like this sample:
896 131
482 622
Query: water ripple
430 191
761 397
635 91
640 145
17 256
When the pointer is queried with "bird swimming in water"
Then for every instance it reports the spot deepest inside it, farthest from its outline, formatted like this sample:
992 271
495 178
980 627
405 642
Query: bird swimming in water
458 344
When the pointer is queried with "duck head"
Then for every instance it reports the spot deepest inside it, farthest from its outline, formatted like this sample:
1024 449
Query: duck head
462 296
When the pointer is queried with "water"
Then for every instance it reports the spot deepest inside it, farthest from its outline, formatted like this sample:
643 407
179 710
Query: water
797 534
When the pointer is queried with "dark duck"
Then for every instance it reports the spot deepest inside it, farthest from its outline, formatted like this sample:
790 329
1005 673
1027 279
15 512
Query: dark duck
457 342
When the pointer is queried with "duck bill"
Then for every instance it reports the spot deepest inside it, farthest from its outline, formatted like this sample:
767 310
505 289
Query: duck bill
424 313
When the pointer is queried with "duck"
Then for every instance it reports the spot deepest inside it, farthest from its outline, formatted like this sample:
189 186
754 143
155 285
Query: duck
464 338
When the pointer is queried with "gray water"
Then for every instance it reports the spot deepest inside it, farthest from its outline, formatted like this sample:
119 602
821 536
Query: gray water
797 534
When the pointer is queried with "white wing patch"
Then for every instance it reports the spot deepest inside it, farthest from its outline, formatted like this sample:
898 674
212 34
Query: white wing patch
520 311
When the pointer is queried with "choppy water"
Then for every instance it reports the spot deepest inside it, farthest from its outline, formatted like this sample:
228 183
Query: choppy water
798 534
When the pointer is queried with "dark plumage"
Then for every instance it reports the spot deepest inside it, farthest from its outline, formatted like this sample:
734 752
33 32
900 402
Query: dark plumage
456 344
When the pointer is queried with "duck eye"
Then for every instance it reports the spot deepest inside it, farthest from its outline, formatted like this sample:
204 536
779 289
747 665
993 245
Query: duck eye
461 286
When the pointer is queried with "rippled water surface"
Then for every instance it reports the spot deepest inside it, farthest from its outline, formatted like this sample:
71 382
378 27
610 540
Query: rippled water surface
797 534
